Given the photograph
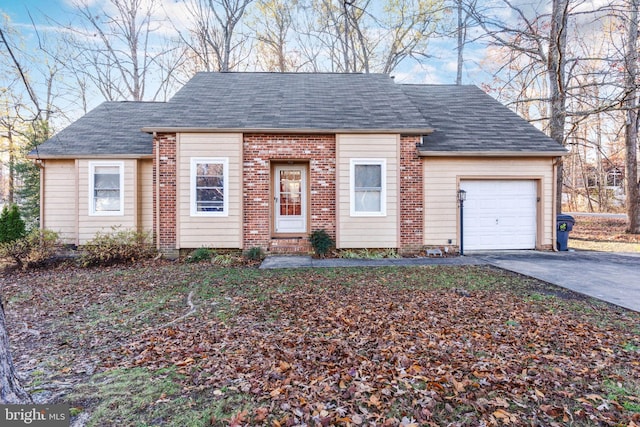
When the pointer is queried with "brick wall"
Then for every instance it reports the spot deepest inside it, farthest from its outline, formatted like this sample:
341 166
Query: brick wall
165 172
411 196
260 152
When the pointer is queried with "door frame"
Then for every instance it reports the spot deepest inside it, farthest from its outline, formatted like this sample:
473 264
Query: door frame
273 183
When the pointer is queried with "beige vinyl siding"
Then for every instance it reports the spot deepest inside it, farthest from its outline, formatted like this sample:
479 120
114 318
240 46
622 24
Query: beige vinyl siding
145 194
89 225
441 178
60 199
363 231
210 231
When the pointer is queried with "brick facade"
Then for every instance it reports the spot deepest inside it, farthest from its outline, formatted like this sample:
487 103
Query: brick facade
164 175
411 196
261 152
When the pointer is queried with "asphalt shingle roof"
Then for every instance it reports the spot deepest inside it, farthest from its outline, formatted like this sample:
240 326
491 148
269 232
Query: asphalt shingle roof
464 118
112 128
298 101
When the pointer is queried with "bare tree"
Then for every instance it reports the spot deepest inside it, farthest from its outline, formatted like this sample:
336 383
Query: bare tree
631 125
538 42
115 48
273 23
214 42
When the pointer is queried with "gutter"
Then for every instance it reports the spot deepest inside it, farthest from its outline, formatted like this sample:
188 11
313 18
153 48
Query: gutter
287 131
428 153
37 157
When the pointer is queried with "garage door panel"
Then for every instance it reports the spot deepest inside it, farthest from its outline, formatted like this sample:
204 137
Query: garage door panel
500 214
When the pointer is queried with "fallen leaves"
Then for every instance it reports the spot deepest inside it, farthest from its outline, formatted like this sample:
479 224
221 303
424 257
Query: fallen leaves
386 347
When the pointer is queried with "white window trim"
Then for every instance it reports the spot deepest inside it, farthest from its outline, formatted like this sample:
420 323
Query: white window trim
92 182
352 187
225 186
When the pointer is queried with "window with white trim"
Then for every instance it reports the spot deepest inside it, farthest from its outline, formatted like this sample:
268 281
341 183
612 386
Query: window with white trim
209 186
368 187
106 184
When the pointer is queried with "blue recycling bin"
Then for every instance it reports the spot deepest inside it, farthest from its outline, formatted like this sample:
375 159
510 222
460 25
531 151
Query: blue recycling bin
564 224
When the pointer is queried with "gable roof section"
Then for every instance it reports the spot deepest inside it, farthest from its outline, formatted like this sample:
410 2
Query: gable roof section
314 102
110 129
467 121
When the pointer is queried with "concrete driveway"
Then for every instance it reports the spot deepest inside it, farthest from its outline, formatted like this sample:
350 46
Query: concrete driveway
611 277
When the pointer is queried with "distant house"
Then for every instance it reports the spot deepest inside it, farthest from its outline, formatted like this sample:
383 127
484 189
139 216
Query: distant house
241 160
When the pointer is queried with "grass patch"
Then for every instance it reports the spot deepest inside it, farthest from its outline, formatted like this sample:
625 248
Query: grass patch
625 391
140 397
603 246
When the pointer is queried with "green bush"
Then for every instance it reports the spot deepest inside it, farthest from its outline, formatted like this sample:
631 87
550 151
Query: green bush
199 255
31 250
321 242
118 246
11 224
254 254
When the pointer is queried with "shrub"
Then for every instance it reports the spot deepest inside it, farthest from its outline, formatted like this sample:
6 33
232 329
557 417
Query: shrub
199 255
254 254
118 246
321 242
224 260
33 249
11 224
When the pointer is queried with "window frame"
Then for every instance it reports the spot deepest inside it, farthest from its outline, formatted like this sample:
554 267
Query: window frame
195 161
92 183
383 187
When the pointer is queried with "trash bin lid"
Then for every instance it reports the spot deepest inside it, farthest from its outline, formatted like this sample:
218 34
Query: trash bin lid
565 218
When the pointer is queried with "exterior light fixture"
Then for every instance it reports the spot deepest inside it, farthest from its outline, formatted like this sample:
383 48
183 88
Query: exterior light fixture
462 196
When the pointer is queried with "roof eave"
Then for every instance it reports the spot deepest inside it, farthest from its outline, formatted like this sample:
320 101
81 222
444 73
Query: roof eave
403 131
429 153
88 156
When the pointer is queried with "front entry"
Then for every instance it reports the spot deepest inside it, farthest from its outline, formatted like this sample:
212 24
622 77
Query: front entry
290 199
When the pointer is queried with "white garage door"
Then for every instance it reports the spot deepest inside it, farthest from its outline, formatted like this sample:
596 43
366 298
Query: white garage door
499 214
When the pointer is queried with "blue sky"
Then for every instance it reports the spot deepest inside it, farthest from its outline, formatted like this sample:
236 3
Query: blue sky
439 68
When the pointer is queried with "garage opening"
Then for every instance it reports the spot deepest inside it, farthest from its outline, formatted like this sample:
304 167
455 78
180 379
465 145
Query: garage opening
500 214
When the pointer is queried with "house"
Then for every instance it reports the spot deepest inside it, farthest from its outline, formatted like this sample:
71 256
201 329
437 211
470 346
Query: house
242 160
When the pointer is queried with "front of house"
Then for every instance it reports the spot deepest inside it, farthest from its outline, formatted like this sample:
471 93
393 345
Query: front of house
242 160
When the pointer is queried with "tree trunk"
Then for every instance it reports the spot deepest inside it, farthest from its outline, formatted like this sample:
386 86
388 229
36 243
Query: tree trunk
556 73
460 44
631 127
11 392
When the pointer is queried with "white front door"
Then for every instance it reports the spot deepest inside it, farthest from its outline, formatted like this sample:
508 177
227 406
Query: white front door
290 183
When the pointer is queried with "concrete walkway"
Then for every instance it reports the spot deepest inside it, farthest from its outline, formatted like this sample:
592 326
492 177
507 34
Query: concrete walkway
287 261
610 277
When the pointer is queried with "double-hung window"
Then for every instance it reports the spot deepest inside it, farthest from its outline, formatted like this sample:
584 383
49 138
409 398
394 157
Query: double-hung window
209 186
368 187
106 184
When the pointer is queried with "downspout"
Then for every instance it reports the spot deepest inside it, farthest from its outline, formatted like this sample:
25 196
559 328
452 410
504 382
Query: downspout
157 191
554 210
40 164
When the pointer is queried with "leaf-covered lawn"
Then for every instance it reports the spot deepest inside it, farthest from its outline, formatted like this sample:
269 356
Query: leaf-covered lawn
199 345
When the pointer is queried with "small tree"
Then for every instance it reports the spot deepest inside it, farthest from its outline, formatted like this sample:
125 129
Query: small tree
11 224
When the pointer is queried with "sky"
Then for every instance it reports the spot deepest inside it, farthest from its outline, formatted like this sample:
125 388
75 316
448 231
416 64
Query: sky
439 68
